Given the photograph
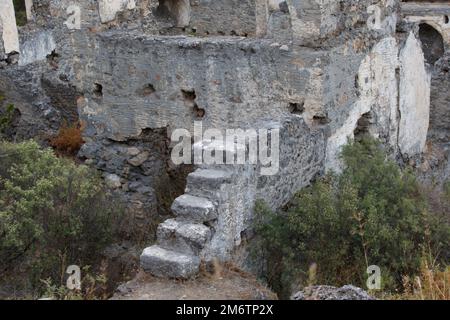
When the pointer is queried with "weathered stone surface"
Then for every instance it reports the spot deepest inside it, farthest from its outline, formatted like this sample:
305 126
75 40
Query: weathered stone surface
414 103
320 19
37 47
194 208
139 159
230 17
109 8
302 153
347 292
376 82
113 181
230 75
183 237
10 34
164 263
133 151
29 9
208 178
440 102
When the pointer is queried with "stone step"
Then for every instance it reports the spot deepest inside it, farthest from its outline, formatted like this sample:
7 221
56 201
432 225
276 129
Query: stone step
184 237
161 262
217 146
195 209
208 179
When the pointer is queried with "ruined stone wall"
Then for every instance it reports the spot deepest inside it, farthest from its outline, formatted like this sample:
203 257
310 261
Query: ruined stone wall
228 17
150 83
302 158
440 103
431 23
436 163
132 71
435 14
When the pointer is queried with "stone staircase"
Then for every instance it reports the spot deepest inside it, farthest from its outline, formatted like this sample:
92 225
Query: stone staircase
182 241
213 219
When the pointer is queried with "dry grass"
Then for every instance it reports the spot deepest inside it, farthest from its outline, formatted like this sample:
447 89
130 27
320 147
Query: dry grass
69 140
432 283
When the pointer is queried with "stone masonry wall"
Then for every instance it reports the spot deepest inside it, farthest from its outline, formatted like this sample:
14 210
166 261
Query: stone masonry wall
132 71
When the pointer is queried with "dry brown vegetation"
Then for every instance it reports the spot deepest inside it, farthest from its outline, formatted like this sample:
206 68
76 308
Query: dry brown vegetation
69 139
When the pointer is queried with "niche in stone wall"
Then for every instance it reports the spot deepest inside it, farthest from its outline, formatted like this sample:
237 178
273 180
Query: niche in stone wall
432 43
177 12
363 125
97 90
189 97
297 107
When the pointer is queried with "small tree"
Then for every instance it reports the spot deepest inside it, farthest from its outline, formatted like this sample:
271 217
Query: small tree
371 214
52 212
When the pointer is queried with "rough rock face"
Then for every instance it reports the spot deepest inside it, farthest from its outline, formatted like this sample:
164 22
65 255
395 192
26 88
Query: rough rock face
414 99
133 71
347 292
434 35
108 9
435 165
36 47
9 36
440 103
377 94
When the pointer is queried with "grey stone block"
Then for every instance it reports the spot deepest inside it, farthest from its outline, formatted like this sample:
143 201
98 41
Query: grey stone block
182 236
196 209
208 178
165 263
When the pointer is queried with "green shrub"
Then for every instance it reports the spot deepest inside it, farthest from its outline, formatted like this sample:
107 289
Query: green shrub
93 287
6 118
371 214
53 213
21 12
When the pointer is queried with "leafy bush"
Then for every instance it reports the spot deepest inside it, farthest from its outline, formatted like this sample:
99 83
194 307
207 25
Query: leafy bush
370 214
53 213
6 118
93 287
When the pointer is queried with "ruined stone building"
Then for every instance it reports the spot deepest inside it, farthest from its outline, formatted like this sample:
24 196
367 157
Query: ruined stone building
133 71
